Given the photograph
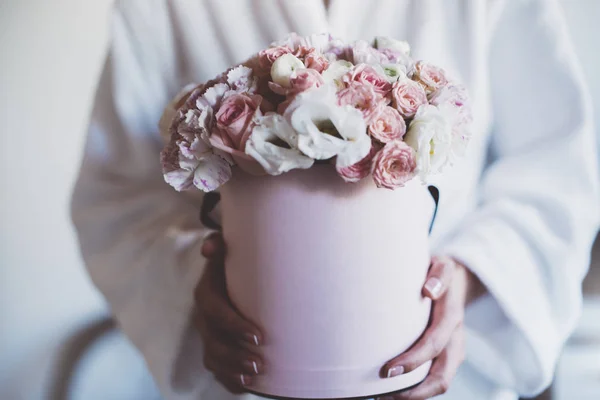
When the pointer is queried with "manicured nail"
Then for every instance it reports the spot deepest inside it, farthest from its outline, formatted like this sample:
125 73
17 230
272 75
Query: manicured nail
251 365
395 371
252 339
434 286
245 380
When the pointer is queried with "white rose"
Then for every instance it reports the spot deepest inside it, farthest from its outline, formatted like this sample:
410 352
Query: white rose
273 144
326 130
283 67
336 71
384 42
430 135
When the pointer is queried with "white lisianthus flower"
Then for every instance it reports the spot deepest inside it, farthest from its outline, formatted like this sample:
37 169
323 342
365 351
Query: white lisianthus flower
387 43
430 135
284 67
336 71
273 144
326 130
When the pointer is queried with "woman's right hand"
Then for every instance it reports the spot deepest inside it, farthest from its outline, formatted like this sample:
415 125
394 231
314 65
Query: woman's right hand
231 342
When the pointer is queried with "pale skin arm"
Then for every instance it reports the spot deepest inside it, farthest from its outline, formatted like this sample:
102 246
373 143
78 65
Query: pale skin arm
232 343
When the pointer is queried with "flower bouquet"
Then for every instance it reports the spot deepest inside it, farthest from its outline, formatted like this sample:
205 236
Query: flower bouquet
306 142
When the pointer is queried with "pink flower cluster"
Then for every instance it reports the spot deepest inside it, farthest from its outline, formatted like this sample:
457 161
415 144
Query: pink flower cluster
274 113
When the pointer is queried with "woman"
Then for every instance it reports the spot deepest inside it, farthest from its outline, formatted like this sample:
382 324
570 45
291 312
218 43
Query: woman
516 220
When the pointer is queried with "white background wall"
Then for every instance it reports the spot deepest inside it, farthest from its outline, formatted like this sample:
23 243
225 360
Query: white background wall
50 55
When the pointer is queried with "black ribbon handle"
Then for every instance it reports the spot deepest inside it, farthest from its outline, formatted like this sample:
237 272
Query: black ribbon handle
435 193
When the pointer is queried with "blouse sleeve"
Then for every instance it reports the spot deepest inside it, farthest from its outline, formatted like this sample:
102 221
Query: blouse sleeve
529 238
139 238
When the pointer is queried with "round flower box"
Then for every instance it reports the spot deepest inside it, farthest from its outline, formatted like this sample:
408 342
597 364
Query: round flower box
333 273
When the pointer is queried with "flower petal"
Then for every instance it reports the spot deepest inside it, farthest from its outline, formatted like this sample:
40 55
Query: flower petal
212 172
276 159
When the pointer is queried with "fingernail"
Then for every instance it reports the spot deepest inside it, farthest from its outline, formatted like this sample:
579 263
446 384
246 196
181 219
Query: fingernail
434 286
245 380
251 338
395 371
251 365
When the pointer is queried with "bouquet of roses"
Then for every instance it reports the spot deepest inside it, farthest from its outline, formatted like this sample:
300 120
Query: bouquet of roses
366 109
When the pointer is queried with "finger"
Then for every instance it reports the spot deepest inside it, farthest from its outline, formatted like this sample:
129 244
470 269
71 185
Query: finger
442 372
446 317
439 277
235 382
213 246
229 359
217 312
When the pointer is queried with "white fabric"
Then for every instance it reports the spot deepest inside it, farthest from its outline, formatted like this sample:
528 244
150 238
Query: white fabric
521 209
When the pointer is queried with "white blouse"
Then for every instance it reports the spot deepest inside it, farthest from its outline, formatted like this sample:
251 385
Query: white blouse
520 210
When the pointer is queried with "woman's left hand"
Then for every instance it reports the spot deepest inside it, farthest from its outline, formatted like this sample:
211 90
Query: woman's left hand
451 286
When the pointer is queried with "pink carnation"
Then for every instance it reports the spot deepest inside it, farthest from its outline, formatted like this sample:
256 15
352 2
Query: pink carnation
431 77
361 169
188 160
394 165
364 98
315 60
366 74
388 126
408 96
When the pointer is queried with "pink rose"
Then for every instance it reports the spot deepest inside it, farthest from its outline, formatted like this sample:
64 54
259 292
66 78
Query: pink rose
315 60
366 74
408 96
364 98
235 119
431 77
388 126
361 169
394 165
267 57
300 81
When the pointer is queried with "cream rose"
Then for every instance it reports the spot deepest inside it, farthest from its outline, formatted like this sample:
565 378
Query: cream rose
284 67
430 135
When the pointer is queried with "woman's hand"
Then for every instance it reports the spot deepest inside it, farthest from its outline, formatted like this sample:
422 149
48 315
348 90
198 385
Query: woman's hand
231 342
451 286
